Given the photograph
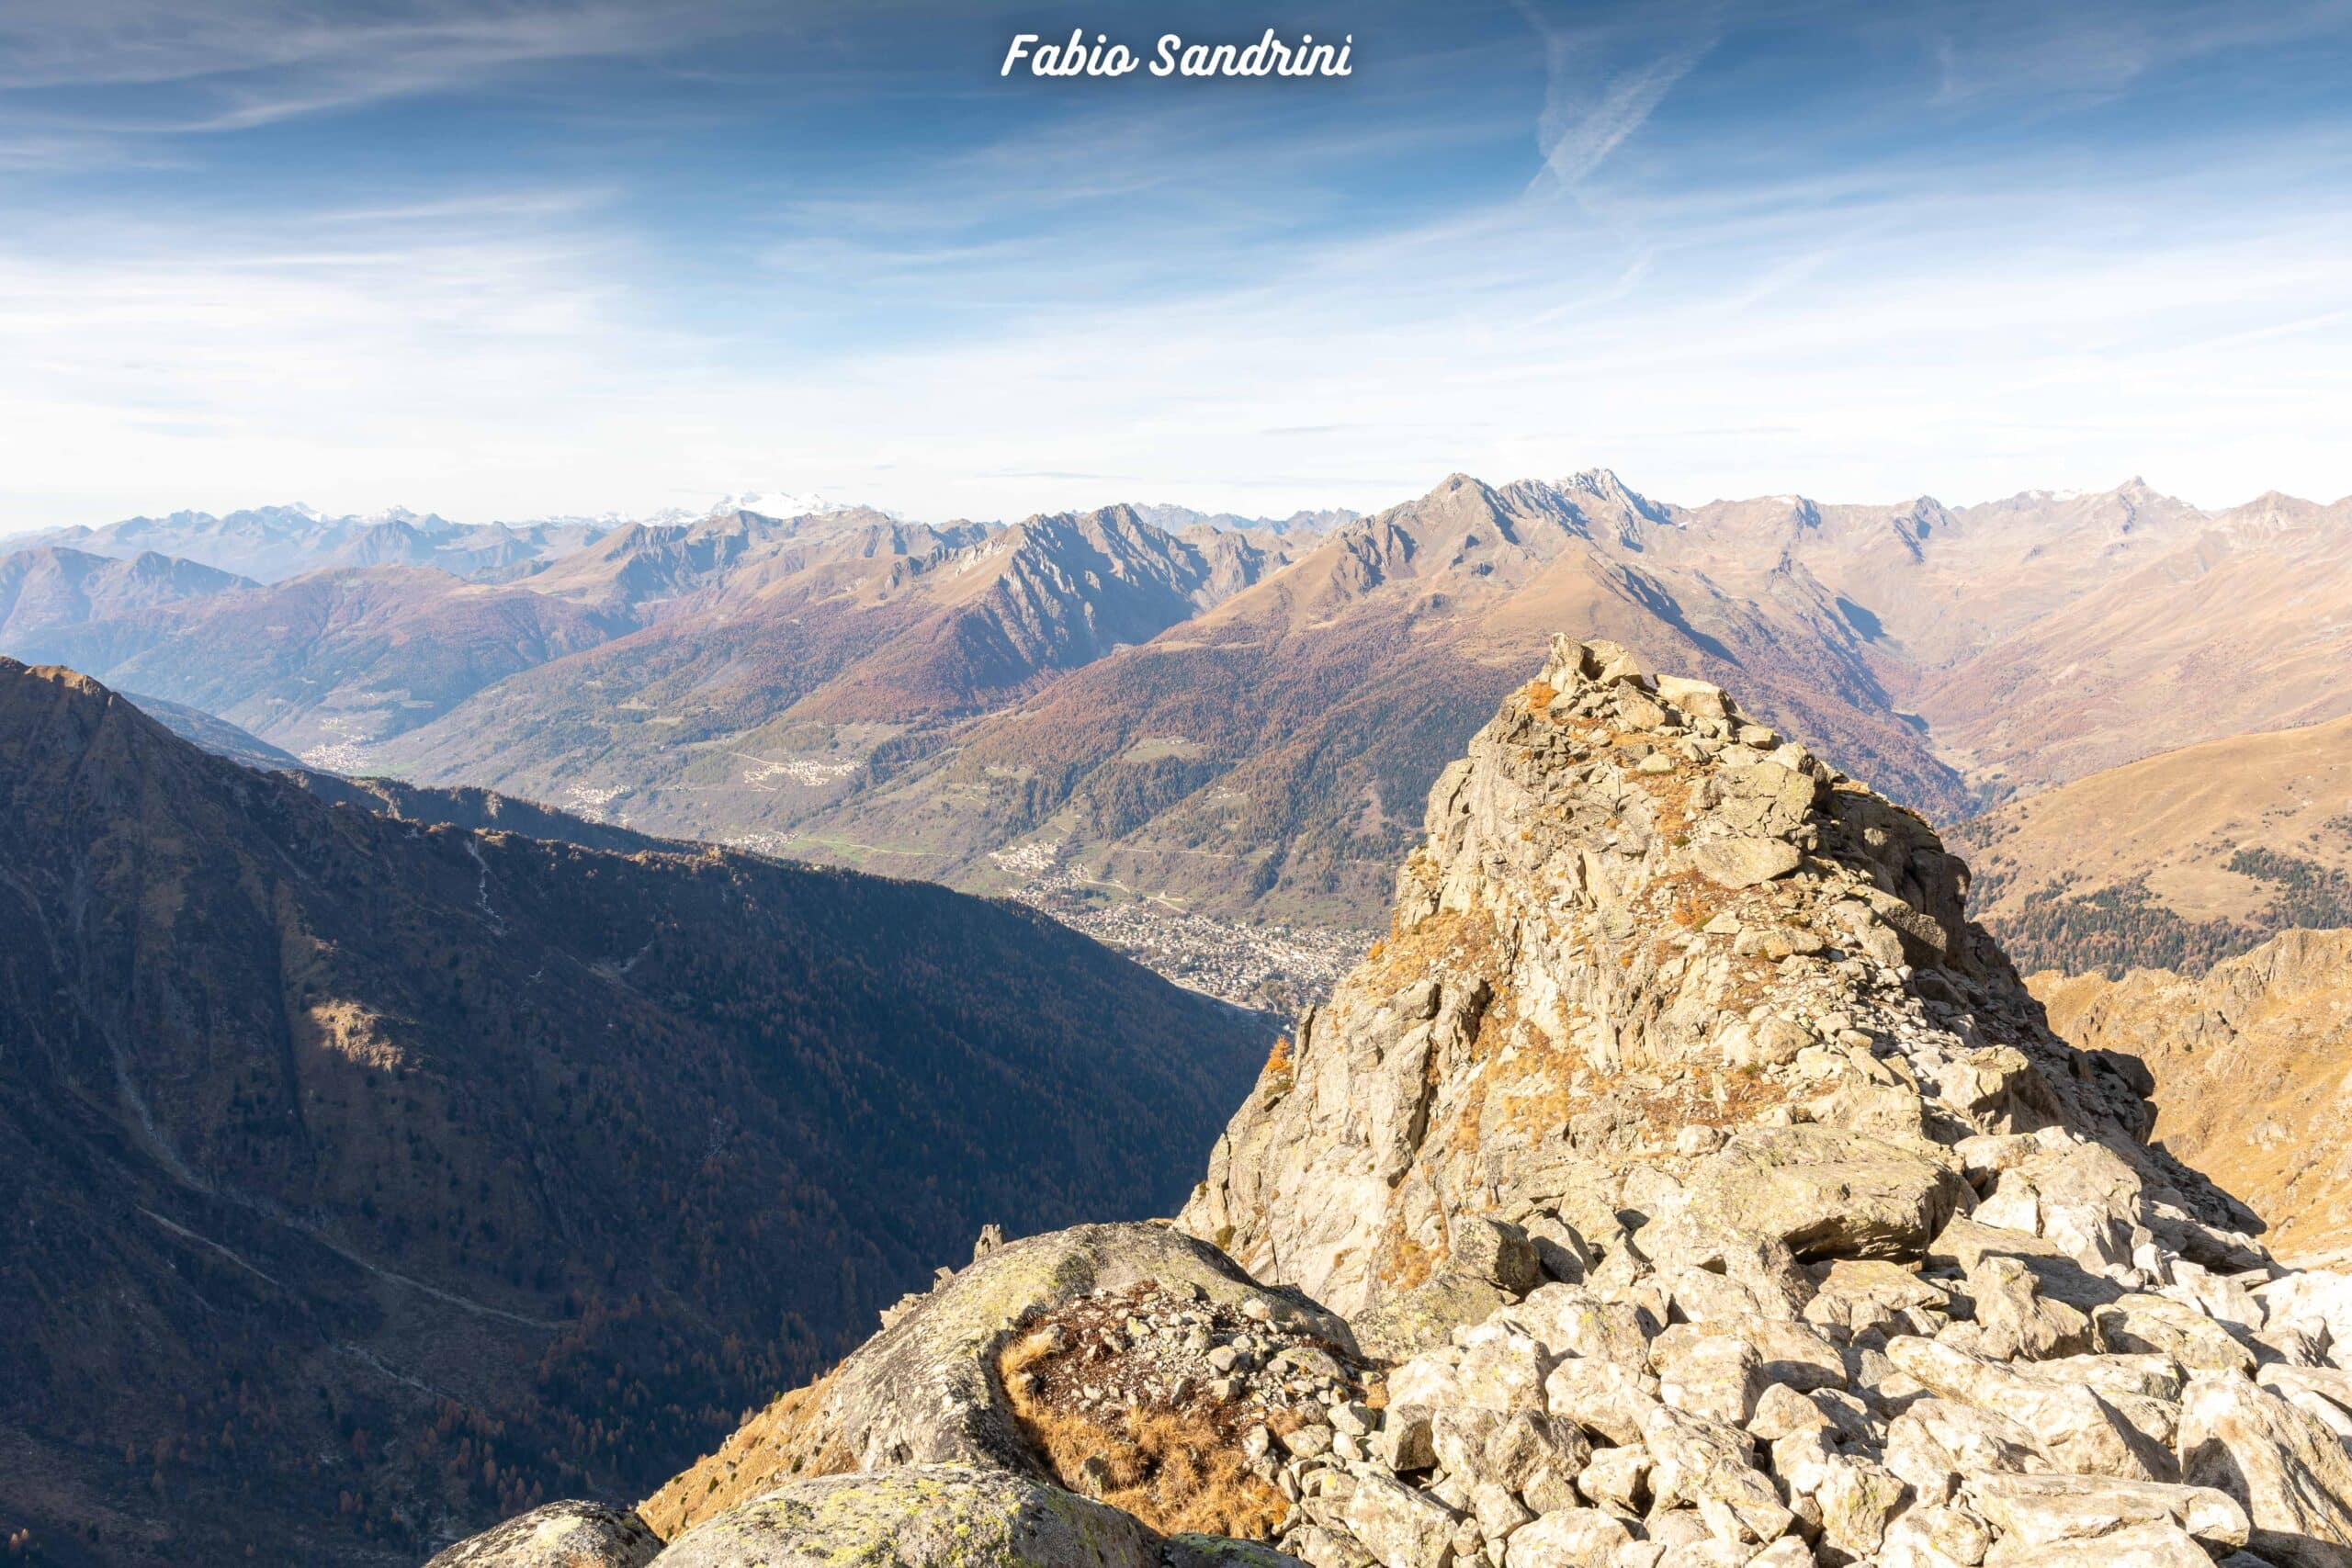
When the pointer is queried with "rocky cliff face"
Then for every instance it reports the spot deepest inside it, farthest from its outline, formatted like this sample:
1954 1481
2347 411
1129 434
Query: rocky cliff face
1645 941
1684 1183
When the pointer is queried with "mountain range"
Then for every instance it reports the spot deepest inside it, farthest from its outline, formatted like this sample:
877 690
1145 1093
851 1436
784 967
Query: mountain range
1161 714
272 542
1286 733
372 1175
287 1050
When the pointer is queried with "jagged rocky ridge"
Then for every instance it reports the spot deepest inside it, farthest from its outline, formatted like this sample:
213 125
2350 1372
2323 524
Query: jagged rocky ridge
1683 1182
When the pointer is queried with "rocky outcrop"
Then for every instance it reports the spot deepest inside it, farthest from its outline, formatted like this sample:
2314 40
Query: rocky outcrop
927 1389
1656 962
560 1535
927 1392
1688 1202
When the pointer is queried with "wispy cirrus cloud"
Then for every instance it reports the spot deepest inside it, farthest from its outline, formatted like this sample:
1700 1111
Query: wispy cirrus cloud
2065 55
351 53
1604 80
616 282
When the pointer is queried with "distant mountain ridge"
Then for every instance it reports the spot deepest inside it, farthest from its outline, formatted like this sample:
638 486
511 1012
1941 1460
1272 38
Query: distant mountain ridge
1878 630
1304 521
1266 755
50 590
865 612
321 662
268 543
1235 712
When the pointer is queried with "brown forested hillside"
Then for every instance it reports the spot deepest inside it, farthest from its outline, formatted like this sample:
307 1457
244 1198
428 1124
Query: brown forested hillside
369 1178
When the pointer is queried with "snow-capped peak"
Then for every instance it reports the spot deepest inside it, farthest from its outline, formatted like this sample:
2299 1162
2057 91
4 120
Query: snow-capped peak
784 503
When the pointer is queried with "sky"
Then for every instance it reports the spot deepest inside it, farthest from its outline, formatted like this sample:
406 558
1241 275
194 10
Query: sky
510 259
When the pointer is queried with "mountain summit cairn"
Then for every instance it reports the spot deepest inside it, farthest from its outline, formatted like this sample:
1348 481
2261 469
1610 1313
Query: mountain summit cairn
1683 1181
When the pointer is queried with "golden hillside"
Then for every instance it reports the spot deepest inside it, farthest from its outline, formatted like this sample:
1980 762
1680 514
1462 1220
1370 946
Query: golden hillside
2253 1065
2177 860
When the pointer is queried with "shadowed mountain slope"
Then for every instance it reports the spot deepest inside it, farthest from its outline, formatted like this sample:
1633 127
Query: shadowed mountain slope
370 1178
217 736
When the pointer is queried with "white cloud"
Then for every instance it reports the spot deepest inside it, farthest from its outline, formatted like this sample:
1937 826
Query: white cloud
1967 325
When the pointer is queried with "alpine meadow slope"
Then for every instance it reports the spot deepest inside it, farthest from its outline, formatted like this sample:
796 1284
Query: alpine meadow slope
2177 859
2252 1061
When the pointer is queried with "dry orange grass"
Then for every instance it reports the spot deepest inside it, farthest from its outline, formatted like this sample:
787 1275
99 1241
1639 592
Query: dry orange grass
1281 1068
1176 1469
782 1443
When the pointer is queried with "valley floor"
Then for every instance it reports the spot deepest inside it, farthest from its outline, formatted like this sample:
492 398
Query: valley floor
1271 967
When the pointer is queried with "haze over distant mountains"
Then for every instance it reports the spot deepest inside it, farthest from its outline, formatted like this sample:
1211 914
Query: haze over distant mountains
271 542
268 543
1235 718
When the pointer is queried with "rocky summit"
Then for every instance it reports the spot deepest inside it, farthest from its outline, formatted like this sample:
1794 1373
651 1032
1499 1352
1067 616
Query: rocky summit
1683 1181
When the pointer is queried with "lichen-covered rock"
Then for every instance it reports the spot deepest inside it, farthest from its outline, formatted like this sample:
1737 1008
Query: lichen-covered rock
2080 1430
1190 1550
1409 1322
1708 1374
924 1391
2158 1543
931 1515
2167 1327
1743 862
1499 1254
2015 1321
558 1535
2036 1510
1710 1465
1569 1537
1400 1526
1828 1192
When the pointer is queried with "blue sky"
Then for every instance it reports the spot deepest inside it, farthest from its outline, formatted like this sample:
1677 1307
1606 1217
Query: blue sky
525 257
